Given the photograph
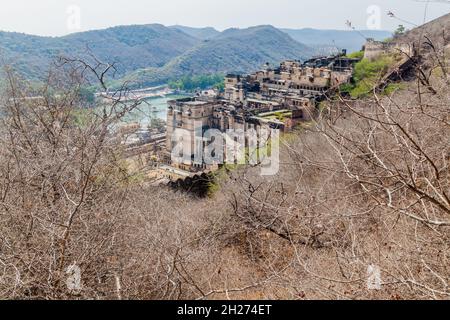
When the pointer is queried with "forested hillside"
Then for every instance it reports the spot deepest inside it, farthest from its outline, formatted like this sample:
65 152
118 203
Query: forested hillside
234 50
129 47
200 33
154 54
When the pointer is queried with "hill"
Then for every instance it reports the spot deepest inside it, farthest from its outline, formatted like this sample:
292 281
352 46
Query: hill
350 40
433 30
131 47
199 33
154 54
234 50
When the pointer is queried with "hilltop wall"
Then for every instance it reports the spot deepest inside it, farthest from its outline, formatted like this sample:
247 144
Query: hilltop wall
374 49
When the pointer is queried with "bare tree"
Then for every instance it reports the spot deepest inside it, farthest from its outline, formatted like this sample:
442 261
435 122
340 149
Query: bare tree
367 185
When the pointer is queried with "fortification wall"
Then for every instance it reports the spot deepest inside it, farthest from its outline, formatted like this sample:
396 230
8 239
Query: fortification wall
374 49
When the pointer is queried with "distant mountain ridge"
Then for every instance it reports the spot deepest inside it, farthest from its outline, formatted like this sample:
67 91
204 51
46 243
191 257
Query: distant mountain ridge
205 33
341 39
154 54
352 40
234 50
130 47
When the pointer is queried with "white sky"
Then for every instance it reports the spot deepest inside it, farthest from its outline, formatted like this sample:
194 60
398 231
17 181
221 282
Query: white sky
50 17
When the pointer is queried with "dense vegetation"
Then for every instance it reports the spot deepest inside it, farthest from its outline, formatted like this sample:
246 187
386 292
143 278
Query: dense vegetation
151 55
367 73
200 33
198 82
231 51
154 54
356 55
129 47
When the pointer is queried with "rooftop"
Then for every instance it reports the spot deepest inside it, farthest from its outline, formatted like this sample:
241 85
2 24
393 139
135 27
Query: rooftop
196 103
193 102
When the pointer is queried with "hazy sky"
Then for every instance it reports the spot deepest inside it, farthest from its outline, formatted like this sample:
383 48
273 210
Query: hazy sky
59 17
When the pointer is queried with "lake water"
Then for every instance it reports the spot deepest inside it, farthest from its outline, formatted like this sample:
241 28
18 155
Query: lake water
151 108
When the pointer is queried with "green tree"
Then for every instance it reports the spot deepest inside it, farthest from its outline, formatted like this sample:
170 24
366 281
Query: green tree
158 124
87 94
400 30
191 83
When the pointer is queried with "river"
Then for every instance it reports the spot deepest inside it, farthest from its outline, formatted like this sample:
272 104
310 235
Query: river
151 108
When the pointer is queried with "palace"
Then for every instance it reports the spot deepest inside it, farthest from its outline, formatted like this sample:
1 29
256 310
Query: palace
277 98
